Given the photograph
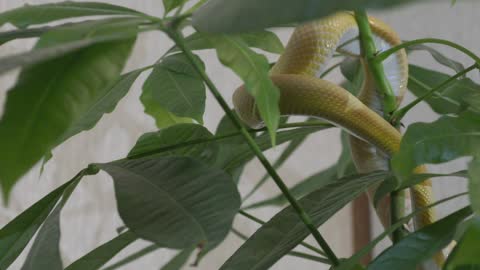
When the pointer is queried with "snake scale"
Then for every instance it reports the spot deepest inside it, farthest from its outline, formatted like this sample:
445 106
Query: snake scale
372 139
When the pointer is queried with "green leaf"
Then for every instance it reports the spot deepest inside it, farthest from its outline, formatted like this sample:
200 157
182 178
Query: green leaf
179 260
27 15
162 117
133 257
285 230
63 41
474 184
439 57
190 140
16 234
170 5
313 182
453 99
253 68
51 98
101 255
182 203
443 140
465 255
175 86
421 245
45 251
229 16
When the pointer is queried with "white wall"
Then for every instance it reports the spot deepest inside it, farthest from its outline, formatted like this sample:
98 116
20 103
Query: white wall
90 217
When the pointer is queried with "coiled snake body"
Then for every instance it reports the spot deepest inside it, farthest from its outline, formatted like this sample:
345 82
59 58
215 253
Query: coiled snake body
372 138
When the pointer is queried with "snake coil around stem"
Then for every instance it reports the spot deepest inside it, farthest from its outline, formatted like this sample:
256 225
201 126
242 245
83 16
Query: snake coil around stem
372 139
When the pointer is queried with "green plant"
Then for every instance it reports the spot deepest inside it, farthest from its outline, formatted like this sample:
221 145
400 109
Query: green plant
177 187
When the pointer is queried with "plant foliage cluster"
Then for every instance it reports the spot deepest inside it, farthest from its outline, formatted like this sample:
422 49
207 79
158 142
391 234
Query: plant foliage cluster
177 188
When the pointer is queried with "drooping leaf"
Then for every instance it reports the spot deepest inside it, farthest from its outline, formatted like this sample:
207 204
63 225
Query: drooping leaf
179 140
27 15
253 68
421 245
182 203
170 5
64 41
265 40
176 87
474 184
179 260
443 140
465 255
16 234
45 251
439 57
453 99
50 98
98 257
229 16
285 230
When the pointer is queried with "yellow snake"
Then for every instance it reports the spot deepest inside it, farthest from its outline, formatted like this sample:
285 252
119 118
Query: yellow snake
372 138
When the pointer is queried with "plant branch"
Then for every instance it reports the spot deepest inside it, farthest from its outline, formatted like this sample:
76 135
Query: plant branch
369 51
384 55
261 222
291 253
399 114
180 41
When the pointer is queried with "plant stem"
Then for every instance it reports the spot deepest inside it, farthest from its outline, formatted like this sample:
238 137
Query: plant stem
399 114
384 55
369 51
291 253
179 40
261 222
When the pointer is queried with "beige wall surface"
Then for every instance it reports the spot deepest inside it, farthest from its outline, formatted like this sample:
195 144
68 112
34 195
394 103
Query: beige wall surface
90 217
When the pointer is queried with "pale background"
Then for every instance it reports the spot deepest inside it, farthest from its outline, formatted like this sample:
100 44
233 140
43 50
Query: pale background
90 217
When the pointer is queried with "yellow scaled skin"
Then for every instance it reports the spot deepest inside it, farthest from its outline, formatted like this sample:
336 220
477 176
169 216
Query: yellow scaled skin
373 139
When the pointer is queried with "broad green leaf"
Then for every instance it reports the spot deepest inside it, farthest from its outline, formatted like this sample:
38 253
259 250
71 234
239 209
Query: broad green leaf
27 15
229 16
182 203
179 140
453 99
421 245
285 230
45 251
16 234
50 98
175 86
352 70
465 255
179 260
313 182
162 117
253 69
64 41
474 184
265 40
101 255
226 128
439 57
22 33
350 263
443 140
170 5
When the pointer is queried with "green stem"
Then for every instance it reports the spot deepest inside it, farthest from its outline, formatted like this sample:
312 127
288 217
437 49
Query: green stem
261 222
369 51
180 41
291 253
384 55
226 136
399 114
